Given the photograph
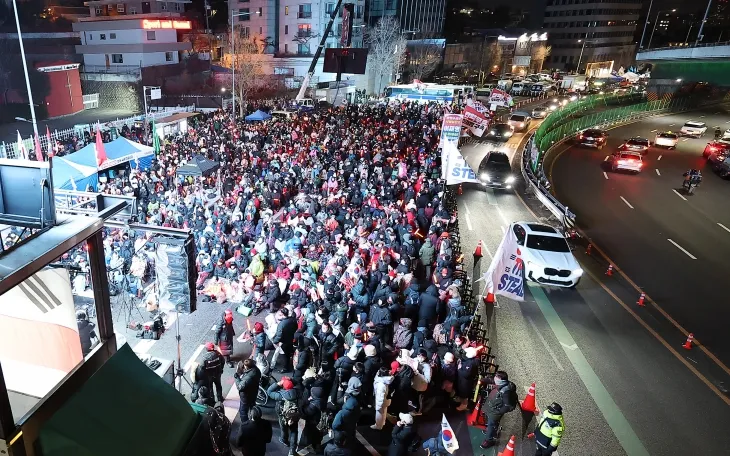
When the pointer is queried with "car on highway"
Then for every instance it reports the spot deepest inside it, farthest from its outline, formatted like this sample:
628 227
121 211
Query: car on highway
500 132
716 151
693 128
636 144
540 112
573 96
627 161
519 121
666 139
495 171
592 137
546 255
553 104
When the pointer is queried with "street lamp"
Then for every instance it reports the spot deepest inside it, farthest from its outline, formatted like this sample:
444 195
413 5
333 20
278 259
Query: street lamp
655 23
25 71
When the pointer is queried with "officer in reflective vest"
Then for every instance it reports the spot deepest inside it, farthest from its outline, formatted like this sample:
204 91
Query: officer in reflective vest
549 430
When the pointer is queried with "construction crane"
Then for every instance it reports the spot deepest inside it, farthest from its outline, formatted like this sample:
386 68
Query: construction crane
320 48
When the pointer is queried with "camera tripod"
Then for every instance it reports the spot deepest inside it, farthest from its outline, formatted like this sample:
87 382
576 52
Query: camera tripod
179 371
126 302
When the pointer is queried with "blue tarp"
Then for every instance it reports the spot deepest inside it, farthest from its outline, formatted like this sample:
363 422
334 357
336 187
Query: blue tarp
80 167
258 115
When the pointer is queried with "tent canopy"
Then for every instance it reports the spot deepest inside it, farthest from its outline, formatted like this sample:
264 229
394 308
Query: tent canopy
123 400
68 175
198 166
258 115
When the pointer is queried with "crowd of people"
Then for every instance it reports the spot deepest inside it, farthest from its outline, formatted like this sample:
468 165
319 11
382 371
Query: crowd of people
334 224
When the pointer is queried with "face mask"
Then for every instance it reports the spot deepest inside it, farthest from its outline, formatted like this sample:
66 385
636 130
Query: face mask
500 382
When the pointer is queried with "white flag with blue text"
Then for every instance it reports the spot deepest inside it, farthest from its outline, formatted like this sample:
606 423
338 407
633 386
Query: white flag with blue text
506 274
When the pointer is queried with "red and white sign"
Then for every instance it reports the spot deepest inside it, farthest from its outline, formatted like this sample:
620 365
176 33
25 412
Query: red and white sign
475 121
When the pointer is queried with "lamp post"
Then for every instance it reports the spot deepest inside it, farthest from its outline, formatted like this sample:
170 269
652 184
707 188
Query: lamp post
702 24
648 13
25 71
651 37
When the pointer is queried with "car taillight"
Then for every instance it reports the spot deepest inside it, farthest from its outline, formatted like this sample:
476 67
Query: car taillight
581 136
712 148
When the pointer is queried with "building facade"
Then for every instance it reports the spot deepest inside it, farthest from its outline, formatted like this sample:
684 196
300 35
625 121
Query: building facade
592 33
418 18
111 8
115 44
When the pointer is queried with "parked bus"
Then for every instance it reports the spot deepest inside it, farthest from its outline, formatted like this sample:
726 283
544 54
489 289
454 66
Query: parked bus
427 92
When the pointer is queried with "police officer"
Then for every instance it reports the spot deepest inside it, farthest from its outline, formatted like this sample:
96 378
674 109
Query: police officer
549 430
213 364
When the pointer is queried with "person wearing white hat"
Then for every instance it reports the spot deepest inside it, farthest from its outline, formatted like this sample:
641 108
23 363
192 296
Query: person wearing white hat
466 375
403 436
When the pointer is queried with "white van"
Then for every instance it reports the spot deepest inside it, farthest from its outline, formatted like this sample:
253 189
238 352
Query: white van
517 88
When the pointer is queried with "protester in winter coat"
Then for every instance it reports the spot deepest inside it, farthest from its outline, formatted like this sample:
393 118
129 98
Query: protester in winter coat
345 421
429 306
287 398
312 411
468 369
371 366
224 337
337 447
403 436
254 434
403 392
427 255
501 400
284 338
403 335
329 343
303 359
261 342
381 389
247 378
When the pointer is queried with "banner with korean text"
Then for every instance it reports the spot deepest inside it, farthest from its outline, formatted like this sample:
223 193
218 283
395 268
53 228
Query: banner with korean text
475 121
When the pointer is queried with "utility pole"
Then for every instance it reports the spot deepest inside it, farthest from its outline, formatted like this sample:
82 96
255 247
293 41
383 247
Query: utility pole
25 71
641 43
702 24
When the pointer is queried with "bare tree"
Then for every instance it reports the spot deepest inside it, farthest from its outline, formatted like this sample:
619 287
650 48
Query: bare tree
387 51
490 60
539 53
248 62
424 59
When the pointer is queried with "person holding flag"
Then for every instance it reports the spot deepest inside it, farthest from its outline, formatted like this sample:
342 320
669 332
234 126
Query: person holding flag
403 436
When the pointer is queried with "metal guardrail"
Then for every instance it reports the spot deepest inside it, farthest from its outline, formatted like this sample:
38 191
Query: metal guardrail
665 48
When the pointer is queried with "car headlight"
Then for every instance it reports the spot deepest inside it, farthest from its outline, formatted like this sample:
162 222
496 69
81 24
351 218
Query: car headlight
522 124
492 132
485 176
578 272
509 180
508 133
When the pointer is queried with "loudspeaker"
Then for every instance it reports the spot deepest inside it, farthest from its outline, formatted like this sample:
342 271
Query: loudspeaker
176 274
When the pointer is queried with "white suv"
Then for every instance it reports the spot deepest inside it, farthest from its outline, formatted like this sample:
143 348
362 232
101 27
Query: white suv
625 160
546 255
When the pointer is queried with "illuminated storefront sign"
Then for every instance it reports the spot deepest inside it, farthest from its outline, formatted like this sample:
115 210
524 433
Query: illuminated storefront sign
150 24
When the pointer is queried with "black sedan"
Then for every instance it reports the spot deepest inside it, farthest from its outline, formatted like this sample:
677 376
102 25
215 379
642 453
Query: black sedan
500 132
593 137
495 171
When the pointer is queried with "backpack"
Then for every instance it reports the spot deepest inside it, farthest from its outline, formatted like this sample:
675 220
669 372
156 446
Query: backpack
514 398
290 412
325 422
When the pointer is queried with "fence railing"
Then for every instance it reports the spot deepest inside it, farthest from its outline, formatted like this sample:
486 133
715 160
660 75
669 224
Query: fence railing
10 150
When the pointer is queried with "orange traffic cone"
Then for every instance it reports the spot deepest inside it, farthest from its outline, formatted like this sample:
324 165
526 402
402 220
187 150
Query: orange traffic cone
640 302
460 191
489 298
509 450
473 418
528 405
688 344
609 271
478 250
589 249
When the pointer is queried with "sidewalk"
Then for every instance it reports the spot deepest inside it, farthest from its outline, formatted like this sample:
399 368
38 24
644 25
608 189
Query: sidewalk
9 131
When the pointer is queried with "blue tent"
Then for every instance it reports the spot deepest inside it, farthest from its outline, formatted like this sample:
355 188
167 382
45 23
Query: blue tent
258 115
80 167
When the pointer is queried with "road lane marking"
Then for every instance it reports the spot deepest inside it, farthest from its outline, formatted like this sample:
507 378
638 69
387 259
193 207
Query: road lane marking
490 197
702 117
679 194
724 227
606 159
627 203
545 344
657 172
504 230
569 347
466 206
671 125
361 439
501 215
468 222
605 175
611 412
685 139
659 158
653 131
656 335
192 359
682 249
231 403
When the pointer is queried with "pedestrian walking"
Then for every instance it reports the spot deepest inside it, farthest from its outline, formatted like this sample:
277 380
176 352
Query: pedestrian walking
501 399
288 411
284 340
213 364
254 434
403 436
224 336
381 392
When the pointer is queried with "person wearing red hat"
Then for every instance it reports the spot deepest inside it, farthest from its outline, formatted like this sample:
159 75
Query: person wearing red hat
261 342
224 336
213 365
288 411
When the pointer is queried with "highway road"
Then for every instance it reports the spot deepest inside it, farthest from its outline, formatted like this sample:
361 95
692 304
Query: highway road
624 389
674 246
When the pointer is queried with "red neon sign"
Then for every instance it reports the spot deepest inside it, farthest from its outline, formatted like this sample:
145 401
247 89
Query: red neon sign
148 24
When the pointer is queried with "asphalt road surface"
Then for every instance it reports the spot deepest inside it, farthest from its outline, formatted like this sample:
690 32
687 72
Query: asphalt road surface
623 387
